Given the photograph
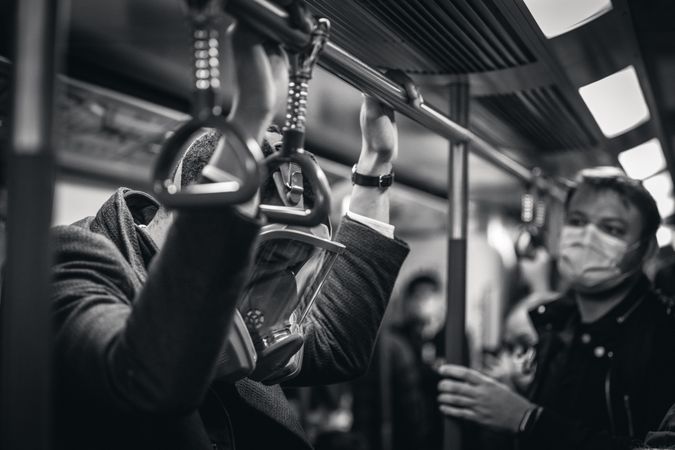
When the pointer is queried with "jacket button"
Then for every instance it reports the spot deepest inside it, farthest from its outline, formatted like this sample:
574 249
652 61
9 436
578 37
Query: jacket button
541 309
586 338
599 352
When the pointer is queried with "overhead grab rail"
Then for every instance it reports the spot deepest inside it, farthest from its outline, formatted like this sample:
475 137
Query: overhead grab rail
271 20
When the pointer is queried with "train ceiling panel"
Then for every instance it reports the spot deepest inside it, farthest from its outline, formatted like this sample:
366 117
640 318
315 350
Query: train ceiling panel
436 40
544 116
426 37
527 102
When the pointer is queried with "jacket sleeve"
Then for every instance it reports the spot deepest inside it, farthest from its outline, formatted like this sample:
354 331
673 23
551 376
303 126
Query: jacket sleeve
343 323
153 348
555 432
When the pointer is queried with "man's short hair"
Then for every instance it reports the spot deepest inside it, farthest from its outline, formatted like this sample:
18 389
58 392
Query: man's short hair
421 279
200 151
629 189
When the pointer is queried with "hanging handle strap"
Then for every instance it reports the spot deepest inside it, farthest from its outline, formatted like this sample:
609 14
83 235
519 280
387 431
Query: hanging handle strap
315 177
301 66
206 114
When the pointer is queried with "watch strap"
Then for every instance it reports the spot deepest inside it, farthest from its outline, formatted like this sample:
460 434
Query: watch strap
381 181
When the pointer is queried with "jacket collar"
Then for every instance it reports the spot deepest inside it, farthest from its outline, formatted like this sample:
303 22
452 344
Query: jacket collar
119 219
557 314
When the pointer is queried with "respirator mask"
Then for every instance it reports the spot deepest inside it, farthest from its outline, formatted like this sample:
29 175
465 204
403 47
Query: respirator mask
592 260
266 339
290 265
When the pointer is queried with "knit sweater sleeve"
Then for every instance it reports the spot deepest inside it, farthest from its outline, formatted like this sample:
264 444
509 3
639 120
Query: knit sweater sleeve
149 347
344 321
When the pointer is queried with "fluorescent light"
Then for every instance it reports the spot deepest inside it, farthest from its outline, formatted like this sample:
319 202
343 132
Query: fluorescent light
666 206
556 17
644 160
664 236
616 102
660 185
661 188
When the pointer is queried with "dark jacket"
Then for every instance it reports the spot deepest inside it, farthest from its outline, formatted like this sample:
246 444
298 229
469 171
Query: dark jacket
603 385
665 436
389 402
138 334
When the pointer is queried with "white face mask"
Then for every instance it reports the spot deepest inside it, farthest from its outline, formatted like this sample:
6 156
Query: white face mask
591 259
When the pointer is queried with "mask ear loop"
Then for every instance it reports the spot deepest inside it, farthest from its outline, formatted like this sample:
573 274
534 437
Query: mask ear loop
649 252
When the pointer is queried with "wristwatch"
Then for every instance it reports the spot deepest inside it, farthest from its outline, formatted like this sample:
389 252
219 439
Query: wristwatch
381 181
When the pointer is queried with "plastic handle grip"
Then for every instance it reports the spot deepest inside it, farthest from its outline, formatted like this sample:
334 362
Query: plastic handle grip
317 180
221 193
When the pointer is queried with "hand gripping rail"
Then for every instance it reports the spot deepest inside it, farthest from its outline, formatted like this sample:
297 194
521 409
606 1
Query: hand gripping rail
269 19
206 115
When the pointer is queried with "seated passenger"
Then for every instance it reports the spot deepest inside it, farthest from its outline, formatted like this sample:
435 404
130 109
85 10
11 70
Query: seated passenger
606 349
144 299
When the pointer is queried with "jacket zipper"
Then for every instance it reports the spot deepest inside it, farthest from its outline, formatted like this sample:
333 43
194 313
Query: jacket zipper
629 415
608 400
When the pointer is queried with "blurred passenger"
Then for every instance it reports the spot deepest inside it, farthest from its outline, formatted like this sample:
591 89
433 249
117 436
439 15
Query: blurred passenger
485 291
512 364
395 402
606 348
664 270
144 298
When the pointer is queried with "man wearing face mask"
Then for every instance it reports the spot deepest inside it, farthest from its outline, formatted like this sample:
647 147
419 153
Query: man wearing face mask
605 361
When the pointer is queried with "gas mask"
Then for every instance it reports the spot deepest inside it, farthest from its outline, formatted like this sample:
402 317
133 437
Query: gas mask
591 260
266 339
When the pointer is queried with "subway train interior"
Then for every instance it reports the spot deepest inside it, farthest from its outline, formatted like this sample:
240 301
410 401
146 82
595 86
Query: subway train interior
493 268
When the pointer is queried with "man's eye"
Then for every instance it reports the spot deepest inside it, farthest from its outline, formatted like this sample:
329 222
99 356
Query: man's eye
576 221
613 230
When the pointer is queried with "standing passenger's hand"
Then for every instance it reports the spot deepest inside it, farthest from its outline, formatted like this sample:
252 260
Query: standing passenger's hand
468 394
379 138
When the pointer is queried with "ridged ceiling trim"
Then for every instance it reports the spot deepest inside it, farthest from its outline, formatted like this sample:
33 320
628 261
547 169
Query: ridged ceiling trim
543 115
430 37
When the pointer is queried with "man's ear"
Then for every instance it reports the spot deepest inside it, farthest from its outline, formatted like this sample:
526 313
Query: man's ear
652 249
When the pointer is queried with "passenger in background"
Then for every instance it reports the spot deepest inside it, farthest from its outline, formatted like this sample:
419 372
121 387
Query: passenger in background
606 348
512 364
395 402
664 276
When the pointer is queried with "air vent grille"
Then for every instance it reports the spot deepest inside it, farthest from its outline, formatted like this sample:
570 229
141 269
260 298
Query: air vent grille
421 36
543 115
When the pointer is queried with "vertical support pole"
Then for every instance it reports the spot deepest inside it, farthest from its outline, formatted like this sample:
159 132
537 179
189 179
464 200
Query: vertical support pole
25 383
455 321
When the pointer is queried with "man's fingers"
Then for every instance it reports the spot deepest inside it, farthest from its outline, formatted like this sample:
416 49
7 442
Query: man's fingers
411 90
457 388
456 400
460 413
462 373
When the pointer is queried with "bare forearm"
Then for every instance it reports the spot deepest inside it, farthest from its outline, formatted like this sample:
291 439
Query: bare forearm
371 202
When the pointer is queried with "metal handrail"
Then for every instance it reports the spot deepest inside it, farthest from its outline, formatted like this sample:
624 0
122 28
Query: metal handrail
273 22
